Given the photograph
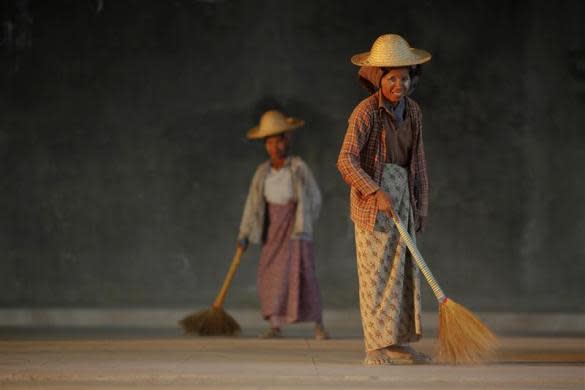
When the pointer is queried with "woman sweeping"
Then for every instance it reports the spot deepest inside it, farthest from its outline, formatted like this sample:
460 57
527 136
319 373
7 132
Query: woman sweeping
382 159
282 205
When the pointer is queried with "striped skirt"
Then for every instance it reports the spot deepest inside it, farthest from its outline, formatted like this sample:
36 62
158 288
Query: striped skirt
286 280
389 282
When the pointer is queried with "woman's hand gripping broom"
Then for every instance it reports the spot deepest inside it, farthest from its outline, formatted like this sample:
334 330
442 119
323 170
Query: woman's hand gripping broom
463 338
215 321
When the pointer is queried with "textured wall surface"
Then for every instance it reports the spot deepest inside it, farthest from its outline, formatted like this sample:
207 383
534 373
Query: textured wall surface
124 165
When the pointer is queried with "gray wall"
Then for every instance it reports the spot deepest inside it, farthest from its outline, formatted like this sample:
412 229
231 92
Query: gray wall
124 165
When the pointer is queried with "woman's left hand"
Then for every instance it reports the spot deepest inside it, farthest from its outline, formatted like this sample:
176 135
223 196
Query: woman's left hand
422 223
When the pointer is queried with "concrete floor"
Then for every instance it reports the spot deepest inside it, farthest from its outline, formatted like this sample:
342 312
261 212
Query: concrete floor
124 359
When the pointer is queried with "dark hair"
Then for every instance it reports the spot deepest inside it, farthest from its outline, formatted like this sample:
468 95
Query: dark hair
279 135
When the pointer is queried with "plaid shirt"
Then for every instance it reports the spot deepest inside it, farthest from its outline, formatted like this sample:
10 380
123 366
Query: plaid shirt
363 155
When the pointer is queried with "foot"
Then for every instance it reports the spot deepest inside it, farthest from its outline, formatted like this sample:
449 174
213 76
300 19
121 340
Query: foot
380 357
320 332
407 352
272 333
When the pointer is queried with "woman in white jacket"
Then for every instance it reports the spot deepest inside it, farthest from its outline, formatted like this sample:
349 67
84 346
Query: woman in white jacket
282 204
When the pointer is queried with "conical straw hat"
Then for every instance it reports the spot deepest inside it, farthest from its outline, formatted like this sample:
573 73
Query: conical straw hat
391 50
273 122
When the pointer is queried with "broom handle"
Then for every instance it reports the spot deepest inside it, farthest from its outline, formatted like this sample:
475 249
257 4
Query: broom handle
422 265
218 303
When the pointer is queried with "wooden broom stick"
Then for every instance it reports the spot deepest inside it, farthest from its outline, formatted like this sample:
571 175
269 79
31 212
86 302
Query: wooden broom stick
220 298
422 265
215 321
463 338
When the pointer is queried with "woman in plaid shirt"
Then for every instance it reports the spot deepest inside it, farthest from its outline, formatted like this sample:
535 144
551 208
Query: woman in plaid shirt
382 159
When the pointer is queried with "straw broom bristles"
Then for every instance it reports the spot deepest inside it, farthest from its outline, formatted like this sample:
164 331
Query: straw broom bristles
215 321
210 322
463 338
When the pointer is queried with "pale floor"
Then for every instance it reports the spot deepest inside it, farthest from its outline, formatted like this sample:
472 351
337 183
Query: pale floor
118 359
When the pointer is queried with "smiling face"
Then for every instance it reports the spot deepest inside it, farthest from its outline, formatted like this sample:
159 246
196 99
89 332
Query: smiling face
395 84
277 146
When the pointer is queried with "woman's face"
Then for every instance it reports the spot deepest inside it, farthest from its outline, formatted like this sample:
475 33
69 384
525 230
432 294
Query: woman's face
277 146
395 84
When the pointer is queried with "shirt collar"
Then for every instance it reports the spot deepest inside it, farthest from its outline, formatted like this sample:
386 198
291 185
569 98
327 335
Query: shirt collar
397 112
287 164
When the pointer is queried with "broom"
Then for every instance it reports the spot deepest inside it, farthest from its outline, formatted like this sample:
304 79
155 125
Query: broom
215 321
463 338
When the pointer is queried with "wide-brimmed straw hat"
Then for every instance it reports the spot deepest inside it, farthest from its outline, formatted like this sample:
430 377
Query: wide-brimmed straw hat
391 50
273 122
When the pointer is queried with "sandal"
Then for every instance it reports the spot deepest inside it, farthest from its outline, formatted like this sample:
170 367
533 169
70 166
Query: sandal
415 356
272 333
321 333
381 358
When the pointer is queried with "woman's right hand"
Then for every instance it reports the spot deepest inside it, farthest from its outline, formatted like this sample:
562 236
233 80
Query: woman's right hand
384 202
242 244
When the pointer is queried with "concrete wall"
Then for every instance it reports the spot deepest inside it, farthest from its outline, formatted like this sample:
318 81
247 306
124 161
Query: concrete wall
124 165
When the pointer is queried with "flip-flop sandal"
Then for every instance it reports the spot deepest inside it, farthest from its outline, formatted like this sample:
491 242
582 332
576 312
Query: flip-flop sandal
421 358
271 334
321 334
382 359
387 362
415 356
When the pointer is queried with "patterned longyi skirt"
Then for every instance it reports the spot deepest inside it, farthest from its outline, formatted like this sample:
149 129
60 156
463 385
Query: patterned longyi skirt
286 280
389 282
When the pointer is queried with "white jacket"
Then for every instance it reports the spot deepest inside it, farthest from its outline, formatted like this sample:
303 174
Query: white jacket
306 193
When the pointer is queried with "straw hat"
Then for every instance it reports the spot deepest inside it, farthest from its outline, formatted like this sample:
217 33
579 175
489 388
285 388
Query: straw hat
273 122
391 50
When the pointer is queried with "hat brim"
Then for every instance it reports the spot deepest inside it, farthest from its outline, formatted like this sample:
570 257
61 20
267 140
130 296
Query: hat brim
415 57
291 124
